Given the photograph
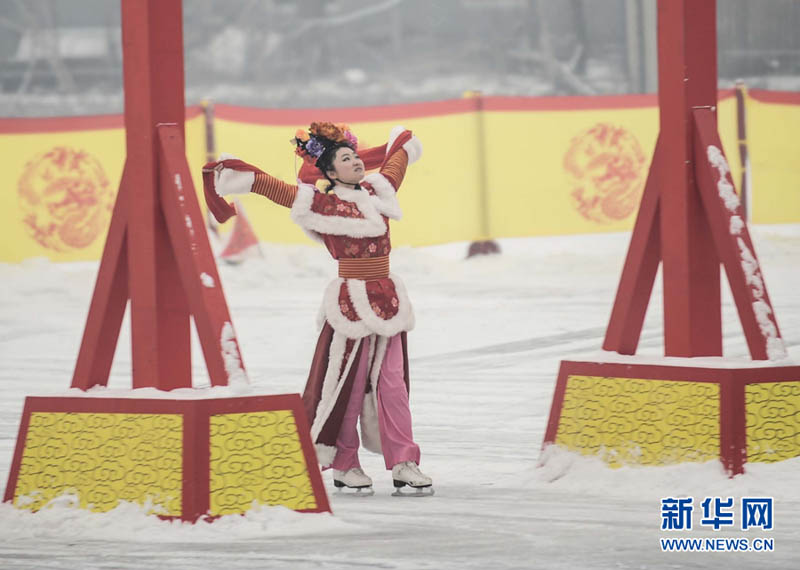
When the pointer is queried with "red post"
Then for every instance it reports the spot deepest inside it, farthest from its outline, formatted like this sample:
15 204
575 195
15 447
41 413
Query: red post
208 116
639 273
687 79
732 424
485 245
157 253
153 75
681 220
211 155
108 303
744 160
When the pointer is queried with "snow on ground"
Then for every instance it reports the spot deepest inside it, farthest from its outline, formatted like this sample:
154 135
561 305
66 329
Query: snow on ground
490 334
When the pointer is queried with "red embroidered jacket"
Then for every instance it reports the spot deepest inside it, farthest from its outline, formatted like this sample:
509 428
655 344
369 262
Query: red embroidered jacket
354 226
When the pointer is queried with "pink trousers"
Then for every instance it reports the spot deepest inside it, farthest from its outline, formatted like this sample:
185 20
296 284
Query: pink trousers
394 414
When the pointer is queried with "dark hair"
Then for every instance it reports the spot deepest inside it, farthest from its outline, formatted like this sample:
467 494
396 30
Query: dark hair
325 161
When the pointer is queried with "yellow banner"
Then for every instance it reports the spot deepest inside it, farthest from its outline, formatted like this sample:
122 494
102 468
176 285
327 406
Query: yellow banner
492 167
439 196
773 121
59 194
62 177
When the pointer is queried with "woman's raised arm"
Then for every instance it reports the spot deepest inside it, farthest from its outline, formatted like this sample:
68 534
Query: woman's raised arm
276 190
405 149
229 175
394 169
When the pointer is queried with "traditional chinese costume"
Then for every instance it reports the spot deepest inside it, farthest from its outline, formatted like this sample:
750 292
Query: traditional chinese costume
365 313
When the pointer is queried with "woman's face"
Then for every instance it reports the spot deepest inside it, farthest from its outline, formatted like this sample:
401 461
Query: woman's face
347 166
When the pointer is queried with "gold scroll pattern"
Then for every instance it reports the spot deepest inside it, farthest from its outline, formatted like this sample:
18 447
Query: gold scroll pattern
773 421
103 458
257 457
639 421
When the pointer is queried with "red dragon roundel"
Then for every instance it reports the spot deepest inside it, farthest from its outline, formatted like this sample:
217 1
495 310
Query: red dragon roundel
65 199
605 166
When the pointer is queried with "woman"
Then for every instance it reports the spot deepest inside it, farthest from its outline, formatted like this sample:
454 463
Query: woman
360 366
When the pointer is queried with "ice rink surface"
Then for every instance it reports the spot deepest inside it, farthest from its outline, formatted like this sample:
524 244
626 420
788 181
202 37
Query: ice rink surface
484 356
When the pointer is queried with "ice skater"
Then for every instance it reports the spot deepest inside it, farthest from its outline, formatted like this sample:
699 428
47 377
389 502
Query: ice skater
360 366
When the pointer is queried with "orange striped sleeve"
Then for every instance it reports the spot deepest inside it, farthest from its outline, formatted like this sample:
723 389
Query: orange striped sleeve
395 168
276 190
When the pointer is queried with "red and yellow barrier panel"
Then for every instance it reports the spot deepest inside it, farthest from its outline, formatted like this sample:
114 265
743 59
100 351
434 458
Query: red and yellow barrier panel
62 176
638 414
183 458
771 118
543 166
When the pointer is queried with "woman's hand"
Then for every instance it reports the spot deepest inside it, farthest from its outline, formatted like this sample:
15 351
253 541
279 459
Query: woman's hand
413 147
229 181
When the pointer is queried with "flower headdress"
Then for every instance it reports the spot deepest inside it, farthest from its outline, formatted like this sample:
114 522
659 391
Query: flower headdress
321 136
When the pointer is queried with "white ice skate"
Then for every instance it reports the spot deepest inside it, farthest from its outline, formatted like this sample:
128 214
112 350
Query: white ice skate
354 480
408 473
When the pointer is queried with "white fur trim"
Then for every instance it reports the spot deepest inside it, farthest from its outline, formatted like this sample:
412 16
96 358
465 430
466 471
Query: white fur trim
414 149
402 321
330 311
313 235
371 225
325 453
396 131
332 385
230 181
385 197
377 362
370 427
302 203
369 322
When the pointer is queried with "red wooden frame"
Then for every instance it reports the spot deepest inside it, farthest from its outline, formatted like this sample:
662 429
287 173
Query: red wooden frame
732 382
157 255
725 241
157 248
196 436
682 222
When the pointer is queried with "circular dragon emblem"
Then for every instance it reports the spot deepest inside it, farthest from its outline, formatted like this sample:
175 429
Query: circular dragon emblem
605 166
64 198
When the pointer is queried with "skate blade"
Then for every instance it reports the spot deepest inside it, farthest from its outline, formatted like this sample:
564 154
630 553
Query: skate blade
354 492
415 492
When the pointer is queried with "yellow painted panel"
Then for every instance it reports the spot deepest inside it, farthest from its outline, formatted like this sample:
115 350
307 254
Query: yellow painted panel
257 457
774 150
638 421
103 458
59 192
567 172
547 173
728 128
773 421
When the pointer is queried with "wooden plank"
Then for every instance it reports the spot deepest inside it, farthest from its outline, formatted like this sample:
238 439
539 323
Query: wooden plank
195 262
687 78
153 77
639 272
109 300
732 241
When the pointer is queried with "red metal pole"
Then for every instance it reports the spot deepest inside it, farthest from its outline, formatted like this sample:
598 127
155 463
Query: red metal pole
153 76
485 245
687 79
211 155
741 124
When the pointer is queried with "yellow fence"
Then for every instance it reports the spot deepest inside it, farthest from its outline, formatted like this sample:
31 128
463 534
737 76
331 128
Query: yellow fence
61 180
549 166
